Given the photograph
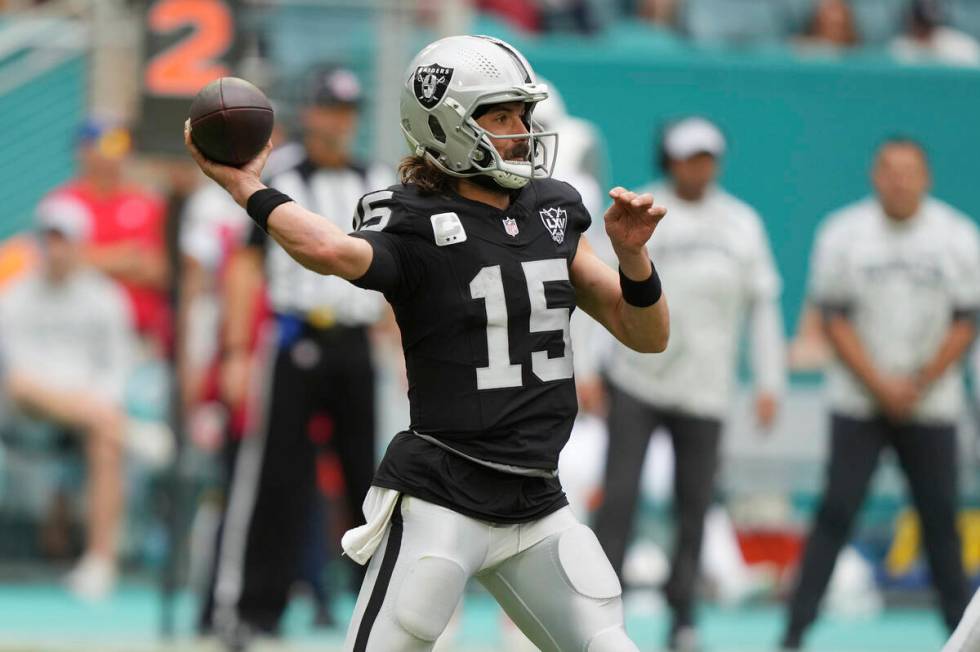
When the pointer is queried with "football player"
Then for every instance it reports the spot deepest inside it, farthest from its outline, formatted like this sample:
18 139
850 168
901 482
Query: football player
480 254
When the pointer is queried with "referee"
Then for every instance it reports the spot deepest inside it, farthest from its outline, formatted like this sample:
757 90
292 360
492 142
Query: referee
315 361
897 278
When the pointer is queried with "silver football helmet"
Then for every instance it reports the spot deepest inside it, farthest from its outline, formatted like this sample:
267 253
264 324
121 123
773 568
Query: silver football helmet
452 78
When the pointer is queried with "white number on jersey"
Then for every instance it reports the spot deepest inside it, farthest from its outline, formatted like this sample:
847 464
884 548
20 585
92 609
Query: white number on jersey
488 285
373 218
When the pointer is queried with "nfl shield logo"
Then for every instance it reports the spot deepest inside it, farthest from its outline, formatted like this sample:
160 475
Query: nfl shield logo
555 220
510 226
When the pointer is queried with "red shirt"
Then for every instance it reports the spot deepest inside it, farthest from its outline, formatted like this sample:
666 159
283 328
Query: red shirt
130 215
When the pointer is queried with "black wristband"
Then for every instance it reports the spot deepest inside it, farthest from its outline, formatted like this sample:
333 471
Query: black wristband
261 204
641 293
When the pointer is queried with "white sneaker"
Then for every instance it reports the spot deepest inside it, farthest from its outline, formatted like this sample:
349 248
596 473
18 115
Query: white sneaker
92 579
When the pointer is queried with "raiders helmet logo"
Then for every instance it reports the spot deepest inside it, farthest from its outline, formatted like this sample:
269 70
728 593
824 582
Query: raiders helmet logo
555 220
430 83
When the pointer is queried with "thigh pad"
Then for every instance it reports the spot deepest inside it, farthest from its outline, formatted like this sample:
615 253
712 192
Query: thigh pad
429 595
585 565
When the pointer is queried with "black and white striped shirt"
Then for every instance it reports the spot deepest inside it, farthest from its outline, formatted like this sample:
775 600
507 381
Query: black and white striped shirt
332 193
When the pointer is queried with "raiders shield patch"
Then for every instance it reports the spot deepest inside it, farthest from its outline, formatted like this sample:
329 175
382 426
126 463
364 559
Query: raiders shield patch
555 220
430 84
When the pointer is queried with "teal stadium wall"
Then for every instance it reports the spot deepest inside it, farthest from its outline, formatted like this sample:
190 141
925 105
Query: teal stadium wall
801 132
39 120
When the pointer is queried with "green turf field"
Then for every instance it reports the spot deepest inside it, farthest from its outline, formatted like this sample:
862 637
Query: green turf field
43 618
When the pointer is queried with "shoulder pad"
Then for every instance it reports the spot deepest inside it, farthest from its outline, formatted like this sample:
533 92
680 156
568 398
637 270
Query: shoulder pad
384 210
552 193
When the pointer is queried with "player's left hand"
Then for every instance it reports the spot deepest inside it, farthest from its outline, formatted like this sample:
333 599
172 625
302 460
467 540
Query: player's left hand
631 219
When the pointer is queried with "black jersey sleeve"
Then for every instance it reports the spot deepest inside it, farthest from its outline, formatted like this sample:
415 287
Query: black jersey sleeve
384 222
578 214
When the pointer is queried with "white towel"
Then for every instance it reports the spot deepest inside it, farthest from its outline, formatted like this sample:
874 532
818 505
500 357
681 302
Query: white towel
361 542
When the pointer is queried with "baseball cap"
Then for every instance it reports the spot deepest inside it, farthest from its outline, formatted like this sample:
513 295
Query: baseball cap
333 86
692 136
64 215
111 140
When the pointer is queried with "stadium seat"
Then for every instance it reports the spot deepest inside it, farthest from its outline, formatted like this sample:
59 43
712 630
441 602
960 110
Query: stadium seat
965 15
879 20
736 21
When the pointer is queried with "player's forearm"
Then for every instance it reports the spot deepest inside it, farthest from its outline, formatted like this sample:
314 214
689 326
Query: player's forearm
312 240
599 292
647 328
844 339
954 346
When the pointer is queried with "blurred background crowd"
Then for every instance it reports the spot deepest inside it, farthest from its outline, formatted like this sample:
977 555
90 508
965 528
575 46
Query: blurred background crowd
163 458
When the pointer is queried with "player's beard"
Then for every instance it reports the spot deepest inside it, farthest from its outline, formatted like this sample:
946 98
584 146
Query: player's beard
520 152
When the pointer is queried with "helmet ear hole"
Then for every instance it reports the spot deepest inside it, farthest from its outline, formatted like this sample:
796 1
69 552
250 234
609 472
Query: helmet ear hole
437 131
482 156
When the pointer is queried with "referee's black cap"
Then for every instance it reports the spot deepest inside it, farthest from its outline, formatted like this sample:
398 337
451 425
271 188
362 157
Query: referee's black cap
333 86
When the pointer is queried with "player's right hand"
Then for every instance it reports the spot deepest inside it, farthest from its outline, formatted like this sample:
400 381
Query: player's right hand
239 182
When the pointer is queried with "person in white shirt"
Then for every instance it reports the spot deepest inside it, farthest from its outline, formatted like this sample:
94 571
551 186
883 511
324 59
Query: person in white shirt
713 248
897 278
66 339
927 40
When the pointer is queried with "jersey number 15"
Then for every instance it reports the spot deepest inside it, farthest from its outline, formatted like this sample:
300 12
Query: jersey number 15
488 285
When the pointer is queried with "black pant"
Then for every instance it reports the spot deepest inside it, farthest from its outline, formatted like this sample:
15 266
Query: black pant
272 484
696 441
927 454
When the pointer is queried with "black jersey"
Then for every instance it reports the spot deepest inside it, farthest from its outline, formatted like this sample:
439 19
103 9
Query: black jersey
483 300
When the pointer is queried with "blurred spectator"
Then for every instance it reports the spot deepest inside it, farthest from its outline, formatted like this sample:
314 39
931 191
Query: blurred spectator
518 13
66 336
659 12
735 22
831 26
927 40
568 16
544 15
127 235
316 362
897 279
714 254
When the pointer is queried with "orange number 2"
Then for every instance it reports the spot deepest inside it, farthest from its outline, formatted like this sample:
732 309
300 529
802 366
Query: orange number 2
189 64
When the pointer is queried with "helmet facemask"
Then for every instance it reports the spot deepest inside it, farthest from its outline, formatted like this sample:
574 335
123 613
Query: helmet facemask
483 158
537 162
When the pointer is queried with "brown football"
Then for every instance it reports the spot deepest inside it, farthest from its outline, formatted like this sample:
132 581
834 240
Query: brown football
231 121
